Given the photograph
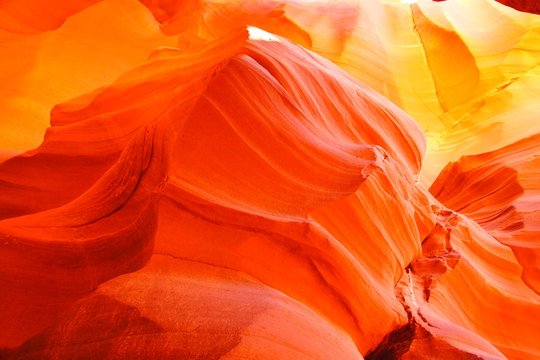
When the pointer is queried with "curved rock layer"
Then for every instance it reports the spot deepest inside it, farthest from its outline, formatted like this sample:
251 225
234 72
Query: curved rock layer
231 316
44 64
233 197
470 90
499 190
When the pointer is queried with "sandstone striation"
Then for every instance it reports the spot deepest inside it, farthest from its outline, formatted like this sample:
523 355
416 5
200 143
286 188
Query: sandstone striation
253 180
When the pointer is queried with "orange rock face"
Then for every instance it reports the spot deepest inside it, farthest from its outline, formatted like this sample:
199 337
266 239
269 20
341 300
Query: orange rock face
252 180
500 192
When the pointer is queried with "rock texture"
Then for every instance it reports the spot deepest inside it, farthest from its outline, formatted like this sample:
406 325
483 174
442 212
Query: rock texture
219 191
500 192
521 5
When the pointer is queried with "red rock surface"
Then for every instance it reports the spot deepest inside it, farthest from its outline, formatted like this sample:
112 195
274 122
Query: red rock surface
214 195
531 6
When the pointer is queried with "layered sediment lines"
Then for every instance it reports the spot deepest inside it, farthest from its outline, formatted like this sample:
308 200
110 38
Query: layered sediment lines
237 198
500 192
